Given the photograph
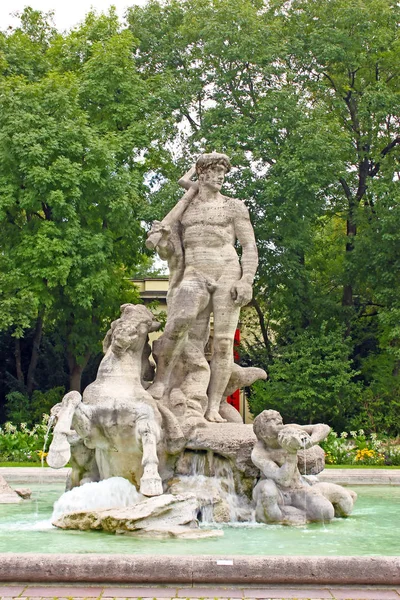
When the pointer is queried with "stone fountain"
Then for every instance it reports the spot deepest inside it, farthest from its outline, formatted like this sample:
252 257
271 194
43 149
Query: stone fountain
154 448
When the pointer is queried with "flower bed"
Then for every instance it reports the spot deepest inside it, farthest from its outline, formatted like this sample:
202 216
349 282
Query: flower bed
19 443
356 448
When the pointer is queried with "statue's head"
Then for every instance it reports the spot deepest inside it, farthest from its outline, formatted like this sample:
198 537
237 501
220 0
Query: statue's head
131 329
211 170
267 425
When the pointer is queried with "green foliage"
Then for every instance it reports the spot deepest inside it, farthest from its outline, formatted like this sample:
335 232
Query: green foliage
18 407
42 402
310 380
19 443
22 409
77 138
304 96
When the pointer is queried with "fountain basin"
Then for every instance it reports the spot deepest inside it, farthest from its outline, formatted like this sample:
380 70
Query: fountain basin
369 531
363 549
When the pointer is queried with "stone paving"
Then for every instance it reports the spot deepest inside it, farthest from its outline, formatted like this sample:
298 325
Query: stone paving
114 592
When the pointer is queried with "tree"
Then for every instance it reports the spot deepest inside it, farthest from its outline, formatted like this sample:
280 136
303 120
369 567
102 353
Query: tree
72 136
304 96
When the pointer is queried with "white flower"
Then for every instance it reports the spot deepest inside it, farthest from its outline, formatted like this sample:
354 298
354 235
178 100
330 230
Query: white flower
344 434
353 433
361 432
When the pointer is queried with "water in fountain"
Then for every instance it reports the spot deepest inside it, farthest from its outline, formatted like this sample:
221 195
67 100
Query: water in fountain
305 471
50 424
216 494
115 492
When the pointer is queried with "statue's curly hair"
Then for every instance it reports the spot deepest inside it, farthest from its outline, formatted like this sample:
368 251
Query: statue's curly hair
205 161
261 419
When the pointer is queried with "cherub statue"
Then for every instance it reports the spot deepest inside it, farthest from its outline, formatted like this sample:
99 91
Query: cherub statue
283 495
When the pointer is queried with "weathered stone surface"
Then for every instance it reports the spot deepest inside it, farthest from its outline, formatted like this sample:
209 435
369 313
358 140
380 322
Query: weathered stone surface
187 533
115 429
7 494
283 495
140 423
198 238
231 440
311 461
24 493
192 570
161 516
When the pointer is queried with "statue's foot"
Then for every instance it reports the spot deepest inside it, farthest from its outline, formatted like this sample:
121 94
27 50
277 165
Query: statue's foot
214 417
151 486
156 390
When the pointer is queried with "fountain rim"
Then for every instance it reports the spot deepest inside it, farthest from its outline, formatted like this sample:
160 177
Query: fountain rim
200 569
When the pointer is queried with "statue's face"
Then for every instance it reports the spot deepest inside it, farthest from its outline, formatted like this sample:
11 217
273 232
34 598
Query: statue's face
272 426
213 177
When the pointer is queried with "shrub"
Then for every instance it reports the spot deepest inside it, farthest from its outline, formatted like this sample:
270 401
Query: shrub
22 409
20 444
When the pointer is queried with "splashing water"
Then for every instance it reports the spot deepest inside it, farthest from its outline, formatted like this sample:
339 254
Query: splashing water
50 424
216 493
305 472
115 492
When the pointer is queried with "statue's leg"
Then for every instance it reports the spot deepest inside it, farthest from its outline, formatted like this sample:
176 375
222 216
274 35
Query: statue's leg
84 467
197 369
317 507
60 450
148 434
342 499
189 300
266 498
226 316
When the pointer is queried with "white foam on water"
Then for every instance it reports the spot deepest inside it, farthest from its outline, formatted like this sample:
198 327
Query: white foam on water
222 485
115 492
28 526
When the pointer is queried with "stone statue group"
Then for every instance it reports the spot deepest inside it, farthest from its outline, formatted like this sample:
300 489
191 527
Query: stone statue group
148 406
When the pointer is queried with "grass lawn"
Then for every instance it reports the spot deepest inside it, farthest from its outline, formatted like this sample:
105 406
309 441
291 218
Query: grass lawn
21 464
362 467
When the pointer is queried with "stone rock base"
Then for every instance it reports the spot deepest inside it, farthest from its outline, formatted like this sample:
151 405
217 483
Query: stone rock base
7 494
161 516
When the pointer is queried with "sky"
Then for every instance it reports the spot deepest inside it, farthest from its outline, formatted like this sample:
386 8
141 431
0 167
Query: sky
67 12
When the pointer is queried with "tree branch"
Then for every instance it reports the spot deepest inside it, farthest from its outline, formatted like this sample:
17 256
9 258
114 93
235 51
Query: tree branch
373 171
331 80
193 123
346 188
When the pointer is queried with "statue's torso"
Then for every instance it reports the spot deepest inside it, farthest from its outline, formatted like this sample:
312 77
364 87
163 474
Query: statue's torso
208 236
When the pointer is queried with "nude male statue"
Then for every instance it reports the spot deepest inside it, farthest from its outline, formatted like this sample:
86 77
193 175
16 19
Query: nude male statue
282 495
207 275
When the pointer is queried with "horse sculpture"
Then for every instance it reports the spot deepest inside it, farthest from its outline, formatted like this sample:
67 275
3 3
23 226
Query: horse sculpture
115 428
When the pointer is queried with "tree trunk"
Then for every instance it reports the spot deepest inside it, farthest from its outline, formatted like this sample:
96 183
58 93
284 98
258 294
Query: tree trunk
351 231
75 371
263 327
37 338
18 364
